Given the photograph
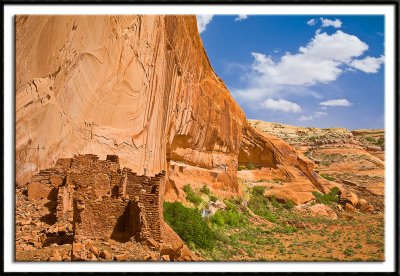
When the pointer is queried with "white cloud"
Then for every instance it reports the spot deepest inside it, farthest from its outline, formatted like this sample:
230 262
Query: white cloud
202 21
334 23
319 61
322 60
368 64
320 114
241 17
311 22
316 115
306 118
337 102
281 105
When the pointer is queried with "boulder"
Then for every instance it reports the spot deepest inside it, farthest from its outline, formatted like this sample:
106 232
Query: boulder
323 210
367 208
94 250
106 255
152 243
55 256
348 197
121 257
349 208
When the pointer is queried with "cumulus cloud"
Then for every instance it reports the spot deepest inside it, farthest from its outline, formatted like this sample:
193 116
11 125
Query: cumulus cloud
241 17
337 102
311 22
281 105
334 23
368 64
316 115
202 21
319 61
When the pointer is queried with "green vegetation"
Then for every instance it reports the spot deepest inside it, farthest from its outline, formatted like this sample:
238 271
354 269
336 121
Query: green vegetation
327 177
259 204
328 198
380 141
189 225
213 198
349 251
250 166
370 139
312 138
191 195
288 205
234 233
205 190
230 218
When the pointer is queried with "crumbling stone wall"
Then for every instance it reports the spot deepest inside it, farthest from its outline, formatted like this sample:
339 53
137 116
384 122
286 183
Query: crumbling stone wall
99 200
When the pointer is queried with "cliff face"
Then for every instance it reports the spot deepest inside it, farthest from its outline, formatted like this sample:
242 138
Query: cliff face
140 87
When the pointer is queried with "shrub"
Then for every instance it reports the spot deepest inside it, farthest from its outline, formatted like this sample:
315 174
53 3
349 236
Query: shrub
258 190
312 139
213 198
241 167
327 177
259 204
349 251
288 205
370 139
205 190
229 217
191 195
275 203
250 166
380 141
189 225
328 198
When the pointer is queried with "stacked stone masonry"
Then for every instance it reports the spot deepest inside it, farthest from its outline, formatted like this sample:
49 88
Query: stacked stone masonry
99 200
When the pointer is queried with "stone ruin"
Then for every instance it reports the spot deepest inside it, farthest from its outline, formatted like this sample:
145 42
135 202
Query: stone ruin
97 200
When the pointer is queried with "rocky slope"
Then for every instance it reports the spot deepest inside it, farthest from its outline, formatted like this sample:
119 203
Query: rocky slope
353 160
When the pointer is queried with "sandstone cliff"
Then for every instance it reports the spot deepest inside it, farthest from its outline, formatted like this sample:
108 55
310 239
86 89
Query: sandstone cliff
140 87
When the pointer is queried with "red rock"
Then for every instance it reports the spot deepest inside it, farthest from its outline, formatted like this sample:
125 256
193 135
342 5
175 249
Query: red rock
55 256
349 208
105 255
121 257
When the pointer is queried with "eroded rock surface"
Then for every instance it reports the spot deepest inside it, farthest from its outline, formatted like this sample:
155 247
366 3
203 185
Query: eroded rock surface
140 87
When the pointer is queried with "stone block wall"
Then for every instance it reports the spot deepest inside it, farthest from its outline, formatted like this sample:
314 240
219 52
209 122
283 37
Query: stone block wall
99 200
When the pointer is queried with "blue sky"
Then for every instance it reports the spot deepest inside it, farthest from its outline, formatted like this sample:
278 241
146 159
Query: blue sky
320 71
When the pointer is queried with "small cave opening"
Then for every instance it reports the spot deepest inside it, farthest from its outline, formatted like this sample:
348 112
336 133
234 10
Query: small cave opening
256 156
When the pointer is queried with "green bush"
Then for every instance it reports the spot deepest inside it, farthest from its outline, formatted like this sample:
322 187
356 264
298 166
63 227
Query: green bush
288 205
349 251
229 217
371 139
191 195
241 167
380 141
189 225
257 191
327 177
250 166
275 203
213 198
312 139
259 204
328 198
205 190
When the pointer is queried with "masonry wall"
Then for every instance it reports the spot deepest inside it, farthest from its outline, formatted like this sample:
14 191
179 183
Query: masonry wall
100 200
